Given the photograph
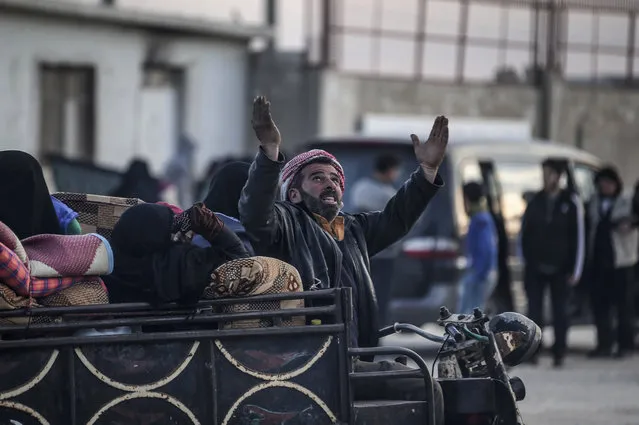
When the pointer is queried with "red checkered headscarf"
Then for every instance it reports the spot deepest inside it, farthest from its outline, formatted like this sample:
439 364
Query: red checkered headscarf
296 164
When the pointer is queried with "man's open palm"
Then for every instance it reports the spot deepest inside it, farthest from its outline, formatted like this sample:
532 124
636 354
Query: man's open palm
263 125
431 153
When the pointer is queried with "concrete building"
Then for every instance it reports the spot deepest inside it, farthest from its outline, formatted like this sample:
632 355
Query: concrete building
106 84
467 60
602 120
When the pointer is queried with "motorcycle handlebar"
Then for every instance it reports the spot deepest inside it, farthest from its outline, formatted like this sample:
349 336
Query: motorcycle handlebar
399 327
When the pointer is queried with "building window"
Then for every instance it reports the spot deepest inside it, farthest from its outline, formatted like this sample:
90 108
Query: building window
507 41
67 111
597 46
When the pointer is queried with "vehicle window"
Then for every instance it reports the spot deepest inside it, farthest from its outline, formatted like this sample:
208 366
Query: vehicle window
470 172
358 160
517 180
494 189
585 180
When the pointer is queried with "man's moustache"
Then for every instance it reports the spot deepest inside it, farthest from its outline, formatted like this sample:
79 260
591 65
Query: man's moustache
329 193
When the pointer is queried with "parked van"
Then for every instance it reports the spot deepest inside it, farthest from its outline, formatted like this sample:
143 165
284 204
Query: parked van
429 261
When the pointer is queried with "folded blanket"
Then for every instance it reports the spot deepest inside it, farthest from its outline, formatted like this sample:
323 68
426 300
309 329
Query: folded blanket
9 300
15 274
90 291
59 256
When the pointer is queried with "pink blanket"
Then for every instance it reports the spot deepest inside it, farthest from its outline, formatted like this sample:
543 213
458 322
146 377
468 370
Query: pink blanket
61 256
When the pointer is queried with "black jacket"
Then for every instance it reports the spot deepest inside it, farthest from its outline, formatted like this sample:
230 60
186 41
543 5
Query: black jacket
553 242
290 233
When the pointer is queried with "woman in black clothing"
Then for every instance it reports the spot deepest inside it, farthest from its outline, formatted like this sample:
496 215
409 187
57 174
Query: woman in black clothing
25 203
137 182
153 265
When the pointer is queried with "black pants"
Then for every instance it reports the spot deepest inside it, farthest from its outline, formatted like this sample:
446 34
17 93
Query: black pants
411 389
613 289
382 274
536 285
503 294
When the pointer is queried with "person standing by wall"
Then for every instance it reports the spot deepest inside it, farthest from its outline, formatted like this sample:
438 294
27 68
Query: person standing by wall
613 250
553 246
481 251
372 194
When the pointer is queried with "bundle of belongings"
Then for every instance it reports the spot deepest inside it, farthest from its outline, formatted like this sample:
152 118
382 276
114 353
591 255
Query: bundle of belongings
97 213
157 260
253 276
147 235
51 270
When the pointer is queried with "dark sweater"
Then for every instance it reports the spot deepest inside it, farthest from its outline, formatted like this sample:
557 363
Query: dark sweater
290 233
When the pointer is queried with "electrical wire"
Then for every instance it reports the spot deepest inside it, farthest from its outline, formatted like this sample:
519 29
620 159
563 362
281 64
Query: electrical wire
475 336
441 347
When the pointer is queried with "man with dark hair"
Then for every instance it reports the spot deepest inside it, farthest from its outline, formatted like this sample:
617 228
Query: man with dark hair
552 241
307 228
481 251
372 193
386 163
613 252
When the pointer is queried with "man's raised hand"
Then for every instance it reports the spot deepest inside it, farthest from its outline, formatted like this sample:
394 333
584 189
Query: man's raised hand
431 153
265 129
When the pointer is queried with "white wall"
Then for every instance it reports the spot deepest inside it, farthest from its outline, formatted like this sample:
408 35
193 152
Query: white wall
216 113
345 99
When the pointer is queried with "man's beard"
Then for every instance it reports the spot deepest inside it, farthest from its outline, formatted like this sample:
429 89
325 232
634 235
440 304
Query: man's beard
321 208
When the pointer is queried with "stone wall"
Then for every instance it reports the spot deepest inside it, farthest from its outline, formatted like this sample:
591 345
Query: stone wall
610 116
610 124
309 103
346 98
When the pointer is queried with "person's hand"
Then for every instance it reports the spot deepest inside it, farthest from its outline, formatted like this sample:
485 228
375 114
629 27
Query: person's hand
265 129
204 222
431 153
573 281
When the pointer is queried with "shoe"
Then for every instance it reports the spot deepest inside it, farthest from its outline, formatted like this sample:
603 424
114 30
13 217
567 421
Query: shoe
599 353
558 362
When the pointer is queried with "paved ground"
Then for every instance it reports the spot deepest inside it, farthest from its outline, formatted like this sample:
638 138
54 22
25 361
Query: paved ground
584 392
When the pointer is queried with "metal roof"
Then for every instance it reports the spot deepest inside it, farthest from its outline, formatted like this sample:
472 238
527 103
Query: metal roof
113 15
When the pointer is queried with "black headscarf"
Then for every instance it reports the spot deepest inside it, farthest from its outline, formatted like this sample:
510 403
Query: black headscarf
226 187
149 267
25 202
610 172
137 182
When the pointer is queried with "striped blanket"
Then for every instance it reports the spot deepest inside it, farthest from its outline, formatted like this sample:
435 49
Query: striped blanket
44 264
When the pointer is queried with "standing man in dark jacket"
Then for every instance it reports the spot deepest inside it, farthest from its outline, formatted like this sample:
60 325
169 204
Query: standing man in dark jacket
307 229
553 246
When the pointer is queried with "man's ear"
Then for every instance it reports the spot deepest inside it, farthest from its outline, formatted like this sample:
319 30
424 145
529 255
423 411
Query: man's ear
294 196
